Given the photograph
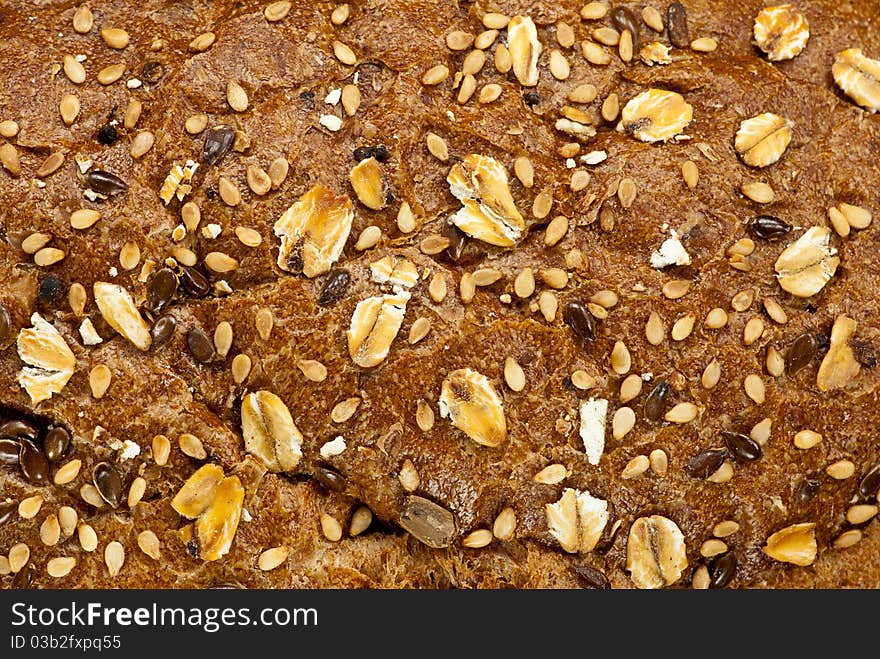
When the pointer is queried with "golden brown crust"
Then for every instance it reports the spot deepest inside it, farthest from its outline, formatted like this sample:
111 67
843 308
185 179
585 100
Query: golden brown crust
286 69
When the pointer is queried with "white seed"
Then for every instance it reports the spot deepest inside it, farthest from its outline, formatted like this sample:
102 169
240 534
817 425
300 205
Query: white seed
408 476
344 409
635 467
775 362
60 566
435 75
50 531
19 555
115 37
114 557
437 147
690 173
725 529
29 507
712 547
504 527
760 432
83 19
559 67
161 450
630 388
753 330
132 113
861 513
754 388
514 375
682 327
361 519
74 70
723 474
654 330
524 284
67 472
192 446
67 519
236 96
240 368
69 108
659 461
424 416
848 539
711 375
344 54
273 558
149 544
704 44
339 15
807 439
88 539
368 238
841 470
624 420
477 539
621 361
136 491
331 528
682 413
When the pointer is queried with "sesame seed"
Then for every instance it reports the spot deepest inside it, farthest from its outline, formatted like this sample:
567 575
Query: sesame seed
760 432
623 421
635 467
682 413
514 375
331 528
161 450
114 557
136 491
435 75
67 472
29 507
264 321
861 513
712 547
192 446
240 368
676 289
841 470
704 45
88 539
683 326
477 539
711 375
273 558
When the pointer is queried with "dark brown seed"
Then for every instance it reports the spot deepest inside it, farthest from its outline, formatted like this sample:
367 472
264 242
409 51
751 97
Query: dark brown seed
33 463
592 577
677 26
152 72
218 141
7 510
200 346
335 286
870 483
428 522
162 287
50 290
19 428
162 330
107 134
5 323
56 443
108 482
655 403
457 241
194 282
330 478
624 19
721 570
806 490
9 451
579 319
801 352
105 183
742 446
864 353
706 463
768 227
23 578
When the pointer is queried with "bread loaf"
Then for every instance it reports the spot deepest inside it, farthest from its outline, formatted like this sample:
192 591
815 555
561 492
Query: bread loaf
398 294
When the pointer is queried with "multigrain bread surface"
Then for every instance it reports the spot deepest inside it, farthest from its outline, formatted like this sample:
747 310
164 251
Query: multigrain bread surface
622 211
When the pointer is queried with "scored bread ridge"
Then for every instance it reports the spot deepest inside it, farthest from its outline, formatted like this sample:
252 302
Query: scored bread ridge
507 333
